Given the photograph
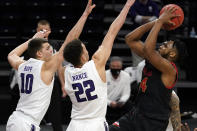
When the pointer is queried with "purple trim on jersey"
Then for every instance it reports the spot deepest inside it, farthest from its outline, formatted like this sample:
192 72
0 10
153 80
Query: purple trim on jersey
106 126
32 127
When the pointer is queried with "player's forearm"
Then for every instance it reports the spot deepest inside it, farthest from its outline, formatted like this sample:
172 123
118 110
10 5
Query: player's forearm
176 120
115 28
60 71
175 112
150 43
119 21
139 32
19 50
75 31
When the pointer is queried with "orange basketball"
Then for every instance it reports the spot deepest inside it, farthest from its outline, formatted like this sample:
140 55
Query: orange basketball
177 20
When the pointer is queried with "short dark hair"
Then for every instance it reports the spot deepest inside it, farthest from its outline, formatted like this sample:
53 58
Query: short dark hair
115 58
73 51
34 46
43 22
182 51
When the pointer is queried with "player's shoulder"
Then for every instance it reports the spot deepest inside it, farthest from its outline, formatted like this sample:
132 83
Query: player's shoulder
90 63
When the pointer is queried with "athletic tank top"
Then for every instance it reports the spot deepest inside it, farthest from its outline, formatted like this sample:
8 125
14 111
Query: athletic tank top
87 92
35 95
153 99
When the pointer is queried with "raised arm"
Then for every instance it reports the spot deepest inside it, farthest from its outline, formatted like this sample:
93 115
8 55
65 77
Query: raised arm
152 55
102 54
77 29
133 38
73 34
14 56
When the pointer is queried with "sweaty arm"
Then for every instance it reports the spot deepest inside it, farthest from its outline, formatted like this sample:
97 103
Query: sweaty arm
14 56
162 64
102 54
73 34
175 116
61 71
133 38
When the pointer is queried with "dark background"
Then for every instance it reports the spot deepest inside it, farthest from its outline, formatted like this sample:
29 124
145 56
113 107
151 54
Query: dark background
18 19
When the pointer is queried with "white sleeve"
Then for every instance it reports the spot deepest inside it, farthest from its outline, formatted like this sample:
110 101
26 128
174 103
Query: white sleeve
138 19
108 102
125 89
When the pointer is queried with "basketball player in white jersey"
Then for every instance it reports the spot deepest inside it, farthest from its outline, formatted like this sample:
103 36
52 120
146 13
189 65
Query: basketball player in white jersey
36 76
85 81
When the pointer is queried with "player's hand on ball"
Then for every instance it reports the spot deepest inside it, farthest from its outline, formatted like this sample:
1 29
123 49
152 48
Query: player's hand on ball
167 15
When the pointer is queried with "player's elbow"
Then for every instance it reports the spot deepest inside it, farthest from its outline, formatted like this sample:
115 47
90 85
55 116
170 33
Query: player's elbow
9 57
146 51
129 41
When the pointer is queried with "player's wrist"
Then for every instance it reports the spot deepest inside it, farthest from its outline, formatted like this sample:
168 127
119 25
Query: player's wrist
159 21
85 14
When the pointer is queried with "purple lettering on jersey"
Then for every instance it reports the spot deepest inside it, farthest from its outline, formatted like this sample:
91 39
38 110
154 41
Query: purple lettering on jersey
28 68
88 91
26 83
79 90
79 76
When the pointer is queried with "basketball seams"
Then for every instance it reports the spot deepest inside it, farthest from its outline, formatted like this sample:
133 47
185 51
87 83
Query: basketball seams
177 20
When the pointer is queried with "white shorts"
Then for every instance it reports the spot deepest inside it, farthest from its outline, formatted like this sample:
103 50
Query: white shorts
88 125
18 122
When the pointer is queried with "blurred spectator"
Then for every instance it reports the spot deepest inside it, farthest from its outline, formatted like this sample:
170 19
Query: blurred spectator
118 90
144 11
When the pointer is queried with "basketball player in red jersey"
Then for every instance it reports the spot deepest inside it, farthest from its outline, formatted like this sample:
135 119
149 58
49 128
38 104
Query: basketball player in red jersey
152 110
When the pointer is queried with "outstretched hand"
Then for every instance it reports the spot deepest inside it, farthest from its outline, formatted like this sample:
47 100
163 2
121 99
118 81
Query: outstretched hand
89 7
167 15
40 34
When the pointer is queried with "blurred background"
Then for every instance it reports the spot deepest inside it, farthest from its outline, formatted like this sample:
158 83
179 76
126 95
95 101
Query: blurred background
18 22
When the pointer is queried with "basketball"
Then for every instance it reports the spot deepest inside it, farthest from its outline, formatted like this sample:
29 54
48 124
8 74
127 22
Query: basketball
177 20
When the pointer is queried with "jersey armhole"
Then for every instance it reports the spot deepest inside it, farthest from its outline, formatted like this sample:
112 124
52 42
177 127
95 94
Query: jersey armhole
170 87
96 72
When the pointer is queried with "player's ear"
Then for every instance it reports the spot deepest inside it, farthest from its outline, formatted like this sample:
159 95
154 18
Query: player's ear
39 53
83 58
172 54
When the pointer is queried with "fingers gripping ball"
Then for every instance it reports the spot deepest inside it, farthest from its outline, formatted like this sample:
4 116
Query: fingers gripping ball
177 20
